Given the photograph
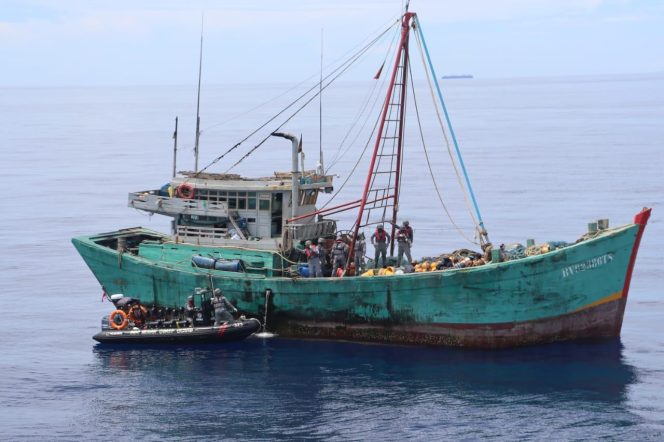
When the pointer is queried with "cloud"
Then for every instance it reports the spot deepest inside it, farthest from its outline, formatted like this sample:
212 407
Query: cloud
76 17
73 19
628 18
154 39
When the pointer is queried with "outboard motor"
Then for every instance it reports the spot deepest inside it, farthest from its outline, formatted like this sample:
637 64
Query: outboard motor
206 310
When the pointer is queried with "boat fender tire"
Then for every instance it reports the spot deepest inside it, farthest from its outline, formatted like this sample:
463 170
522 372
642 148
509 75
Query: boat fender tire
112 320
186 191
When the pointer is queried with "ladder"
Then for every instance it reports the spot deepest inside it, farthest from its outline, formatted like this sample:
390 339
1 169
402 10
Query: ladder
233 220
380 199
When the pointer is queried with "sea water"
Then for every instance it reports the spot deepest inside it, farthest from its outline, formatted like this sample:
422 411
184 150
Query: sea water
545 156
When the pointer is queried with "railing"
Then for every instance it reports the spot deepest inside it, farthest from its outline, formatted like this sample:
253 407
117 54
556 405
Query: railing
201 235
312 230
215 236
150 201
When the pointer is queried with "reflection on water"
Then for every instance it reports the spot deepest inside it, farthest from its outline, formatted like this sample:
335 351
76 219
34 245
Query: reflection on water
596 368
308 389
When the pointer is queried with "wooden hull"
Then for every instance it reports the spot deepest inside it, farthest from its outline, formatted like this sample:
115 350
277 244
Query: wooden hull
594 323
578 292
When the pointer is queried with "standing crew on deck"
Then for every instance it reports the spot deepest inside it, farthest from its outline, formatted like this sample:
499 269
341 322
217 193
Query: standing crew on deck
379 240
359 252
324 256
313 260
222 308
404 241
339 254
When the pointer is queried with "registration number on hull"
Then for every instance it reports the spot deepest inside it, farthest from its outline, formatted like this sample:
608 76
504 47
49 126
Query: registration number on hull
590 264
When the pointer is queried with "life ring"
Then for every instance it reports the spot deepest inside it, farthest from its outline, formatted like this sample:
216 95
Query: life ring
186 191
132 315
114 316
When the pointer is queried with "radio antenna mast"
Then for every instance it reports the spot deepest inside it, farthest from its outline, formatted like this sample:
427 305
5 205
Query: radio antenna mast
321 168
198 101
175 147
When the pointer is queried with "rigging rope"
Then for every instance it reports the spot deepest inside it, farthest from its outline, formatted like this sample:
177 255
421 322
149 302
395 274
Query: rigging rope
341 69
464 191
338 155
481 230
395 146
371 135
276 97
426 154
349 63
357 163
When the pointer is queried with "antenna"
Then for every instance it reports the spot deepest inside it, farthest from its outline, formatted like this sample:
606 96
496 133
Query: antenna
320 168
175 146
198 101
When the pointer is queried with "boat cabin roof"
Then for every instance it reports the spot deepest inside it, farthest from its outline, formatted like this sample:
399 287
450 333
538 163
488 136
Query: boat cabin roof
280 181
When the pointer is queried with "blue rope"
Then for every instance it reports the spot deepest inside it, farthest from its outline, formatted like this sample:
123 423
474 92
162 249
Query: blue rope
449 124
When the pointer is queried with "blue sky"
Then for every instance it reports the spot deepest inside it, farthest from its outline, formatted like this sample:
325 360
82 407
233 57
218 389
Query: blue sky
128 42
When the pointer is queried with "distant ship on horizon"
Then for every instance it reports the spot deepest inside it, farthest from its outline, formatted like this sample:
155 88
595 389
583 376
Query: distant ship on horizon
457 77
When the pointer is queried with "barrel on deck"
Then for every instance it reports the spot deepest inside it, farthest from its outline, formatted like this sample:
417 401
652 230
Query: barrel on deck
228 265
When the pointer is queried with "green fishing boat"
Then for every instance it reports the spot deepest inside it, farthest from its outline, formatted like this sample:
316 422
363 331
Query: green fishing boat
245 236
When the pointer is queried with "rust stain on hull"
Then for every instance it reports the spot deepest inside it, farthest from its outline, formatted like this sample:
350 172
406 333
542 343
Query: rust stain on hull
598 322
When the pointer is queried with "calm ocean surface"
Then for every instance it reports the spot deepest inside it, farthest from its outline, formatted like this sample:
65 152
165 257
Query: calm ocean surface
546 156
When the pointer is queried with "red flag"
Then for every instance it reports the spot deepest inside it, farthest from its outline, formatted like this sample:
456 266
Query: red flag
377 76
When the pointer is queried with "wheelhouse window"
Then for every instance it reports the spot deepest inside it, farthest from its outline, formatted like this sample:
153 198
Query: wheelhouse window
234 200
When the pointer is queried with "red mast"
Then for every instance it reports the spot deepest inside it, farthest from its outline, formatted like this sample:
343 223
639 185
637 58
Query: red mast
400 66
402 114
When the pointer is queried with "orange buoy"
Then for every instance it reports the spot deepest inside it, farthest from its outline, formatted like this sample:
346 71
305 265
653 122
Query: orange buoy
115 316
186 191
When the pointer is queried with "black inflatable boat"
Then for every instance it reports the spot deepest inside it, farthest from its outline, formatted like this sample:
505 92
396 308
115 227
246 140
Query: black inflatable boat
228 332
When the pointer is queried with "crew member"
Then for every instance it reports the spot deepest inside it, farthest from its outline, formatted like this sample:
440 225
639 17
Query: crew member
137 315
379 240
313 259
154 313
324 255
339 254
359 252
404 241
190 310
487 248
222 308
